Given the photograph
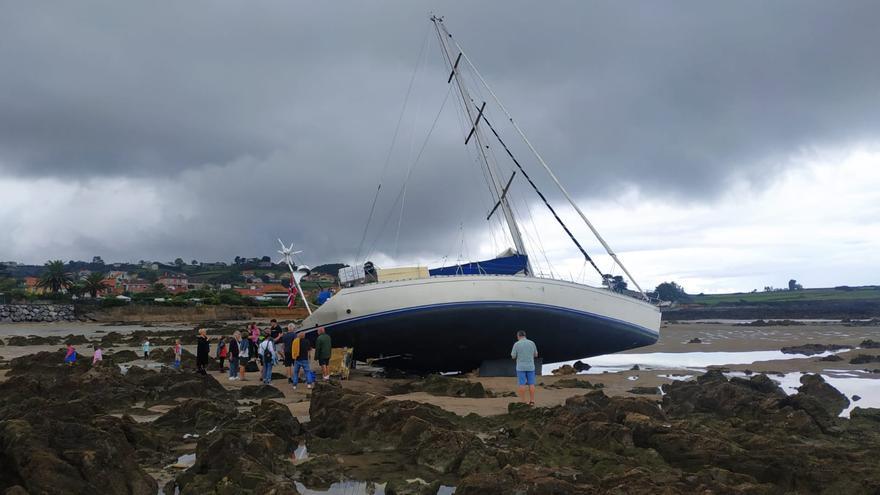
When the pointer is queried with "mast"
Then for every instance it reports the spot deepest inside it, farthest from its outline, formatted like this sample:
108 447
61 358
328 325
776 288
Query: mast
476 133
439 24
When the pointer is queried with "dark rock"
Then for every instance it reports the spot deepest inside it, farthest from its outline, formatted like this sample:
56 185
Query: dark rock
713 393
442 386
864 359
581 366
869 344
831 358
575 383
197 416
644 390
635 368
856 398
259 392
865 413
812 349
411 487
565 369
119 357
57 456
695 340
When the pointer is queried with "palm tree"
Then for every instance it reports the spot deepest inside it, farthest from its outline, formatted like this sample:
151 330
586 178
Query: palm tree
94 283
76 289
54 277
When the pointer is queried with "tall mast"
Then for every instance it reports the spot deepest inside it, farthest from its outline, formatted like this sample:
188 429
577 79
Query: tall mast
476 133
537 155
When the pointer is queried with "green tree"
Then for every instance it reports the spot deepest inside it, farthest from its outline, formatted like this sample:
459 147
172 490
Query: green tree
671 291
159 289
179 262
54 277
615 283
94 283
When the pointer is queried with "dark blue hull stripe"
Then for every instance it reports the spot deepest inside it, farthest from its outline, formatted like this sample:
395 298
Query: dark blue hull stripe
415 309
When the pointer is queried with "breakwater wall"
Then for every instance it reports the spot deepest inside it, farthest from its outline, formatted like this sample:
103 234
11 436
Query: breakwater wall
156 314
11 313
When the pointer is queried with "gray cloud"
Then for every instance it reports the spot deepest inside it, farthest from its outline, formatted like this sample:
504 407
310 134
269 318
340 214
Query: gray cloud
253 120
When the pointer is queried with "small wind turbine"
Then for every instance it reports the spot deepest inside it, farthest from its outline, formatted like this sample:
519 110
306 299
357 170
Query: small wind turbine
295 273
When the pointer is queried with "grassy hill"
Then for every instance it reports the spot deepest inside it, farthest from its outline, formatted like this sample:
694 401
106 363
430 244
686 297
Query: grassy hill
795 296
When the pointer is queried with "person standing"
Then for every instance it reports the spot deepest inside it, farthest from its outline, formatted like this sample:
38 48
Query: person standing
146 349
178 351
275 333
268 355
254 332
323 349
221 353
70 356
244 356
98 357
203 351
301 360
288 342
233 355
524 353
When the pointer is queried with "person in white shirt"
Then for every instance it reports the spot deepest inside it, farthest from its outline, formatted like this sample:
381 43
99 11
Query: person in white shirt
266 352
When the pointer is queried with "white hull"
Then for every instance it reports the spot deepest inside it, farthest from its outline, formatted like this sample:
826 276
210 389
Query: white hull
409 317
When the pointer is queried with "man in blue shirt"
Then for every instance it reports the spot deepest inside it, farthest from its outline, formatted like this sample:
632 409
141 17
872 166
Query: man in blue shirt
524 353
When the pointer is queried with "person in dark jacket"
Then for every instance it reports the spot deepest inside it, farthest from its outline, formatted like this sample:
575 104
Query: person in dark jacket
203 352
323 349
233 354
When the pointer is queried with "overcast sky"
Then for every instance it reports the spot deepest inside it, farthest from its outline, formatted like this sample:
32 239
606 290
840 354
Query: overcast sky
724 146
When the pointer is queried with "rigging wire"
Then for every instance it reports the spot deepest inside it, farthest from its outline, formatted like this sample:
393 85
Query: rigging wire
541 195
438 23
409 172
393 142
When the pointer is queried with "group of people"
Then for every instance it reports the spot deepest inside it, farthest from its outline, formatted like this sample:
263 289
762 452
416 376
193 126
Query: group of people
268 348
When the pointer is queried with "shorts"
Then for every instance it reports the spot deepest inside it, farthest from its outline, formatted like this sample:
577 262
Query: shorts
288 361
324 362
525 377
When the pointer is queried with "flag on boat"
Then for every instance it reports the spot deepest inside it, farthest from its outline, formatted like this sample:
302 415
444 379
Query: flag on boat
291 294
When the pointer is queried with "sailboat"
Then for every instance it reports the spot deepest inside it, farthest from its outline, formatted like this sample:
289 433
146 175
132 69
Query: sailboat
465 317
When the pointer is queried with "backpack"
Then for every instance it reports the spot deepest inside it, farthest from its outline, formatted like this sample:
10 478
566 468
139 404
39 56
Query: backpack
267 353
294 348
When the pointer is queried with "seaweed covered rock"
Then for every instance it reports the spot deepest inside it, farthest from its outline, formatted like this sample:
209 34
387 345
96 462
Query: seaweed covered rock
197 415
714 393
63 456
442 386
249 454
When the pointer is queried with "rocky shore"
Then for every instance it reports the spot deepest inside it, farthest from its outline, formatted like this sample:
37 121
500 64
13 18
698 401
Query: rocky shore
98 430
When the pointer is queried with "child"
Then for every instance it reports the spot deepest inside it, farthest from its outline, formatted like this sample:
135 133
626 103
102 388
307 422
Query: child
221 352
146 348
70 357
177 353
98 357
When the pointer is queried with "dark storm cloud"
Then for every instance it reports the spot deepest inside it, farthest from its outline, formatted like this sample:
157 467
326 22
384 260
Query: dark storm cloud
262 118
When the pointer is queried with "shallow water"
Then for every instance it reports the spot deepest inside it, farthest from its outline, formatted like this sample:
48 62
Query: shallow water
185 461
678 360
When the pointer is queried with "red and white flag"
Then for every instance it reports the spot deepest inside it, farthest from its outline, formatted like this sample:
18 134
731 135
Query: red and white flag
291 294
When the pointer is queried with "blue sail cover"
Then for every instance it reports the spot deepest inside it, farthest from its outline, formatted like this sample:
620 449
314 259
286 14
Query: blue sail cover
507 265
